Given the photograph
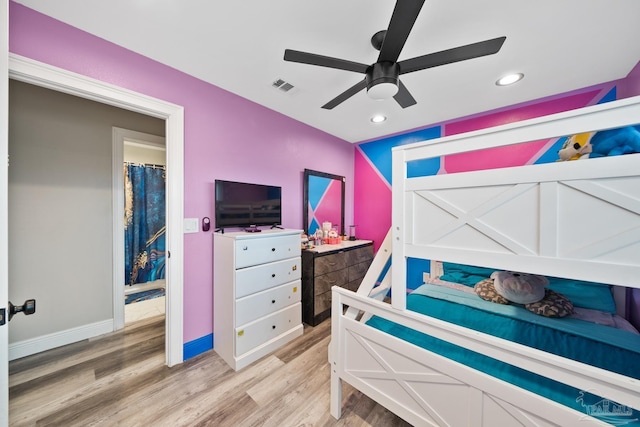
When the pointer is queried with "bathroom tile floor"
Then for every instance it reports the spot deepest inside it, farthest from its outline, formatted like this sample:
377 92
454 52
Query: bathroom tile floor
143 309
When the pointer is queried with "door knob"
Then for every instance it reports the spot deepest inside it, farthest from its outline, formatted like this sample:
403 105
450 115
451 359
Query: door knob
29 307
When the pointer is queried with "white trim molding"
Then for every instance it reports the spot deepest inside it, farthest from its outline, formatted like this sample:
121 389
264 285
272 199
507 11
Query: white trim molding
44 75
4 208
58 339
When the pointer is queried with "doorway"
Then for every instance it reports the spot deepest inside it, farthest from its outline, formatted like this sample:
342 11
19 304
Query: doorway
142 277
60 214
39 74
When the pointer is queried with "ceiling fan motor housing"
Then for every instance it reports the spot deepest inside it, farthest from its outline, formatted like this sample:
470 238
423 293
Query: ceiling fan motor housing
382 80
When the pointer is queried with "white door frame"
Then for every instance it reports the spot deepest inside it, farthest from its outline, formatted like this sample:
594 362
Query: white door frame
40 74
4 208
119 136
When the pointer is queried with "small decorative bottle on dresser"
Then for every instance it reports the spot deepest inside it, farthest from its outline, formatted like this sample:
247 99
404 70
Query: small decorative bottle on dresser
256 293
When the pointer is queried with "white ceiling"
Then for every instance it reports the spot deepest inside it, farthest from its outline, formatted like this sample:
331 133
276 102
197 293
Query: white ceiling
239 46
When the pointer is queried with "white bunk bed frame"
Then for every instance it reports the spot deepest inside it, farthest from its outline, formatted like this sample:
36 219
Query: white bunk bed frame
531 219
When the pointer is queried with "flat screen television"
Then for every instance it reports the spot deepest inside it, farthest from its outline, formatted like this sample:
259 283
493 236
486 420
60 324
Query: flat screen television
245 205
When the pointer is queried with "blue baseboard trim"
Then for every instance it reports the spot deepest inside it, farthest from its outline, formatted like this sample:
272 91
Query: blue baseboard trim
200 345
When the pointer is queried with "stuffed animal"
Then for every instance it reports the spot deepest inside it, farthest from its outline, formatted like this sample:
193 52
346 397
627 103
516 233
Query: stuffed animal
576 147
520 288
507 287
615 142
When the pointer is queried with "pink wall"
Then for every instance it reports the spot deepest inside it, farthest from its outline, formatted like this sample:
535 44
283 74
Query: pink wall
220 130
513 155
631 85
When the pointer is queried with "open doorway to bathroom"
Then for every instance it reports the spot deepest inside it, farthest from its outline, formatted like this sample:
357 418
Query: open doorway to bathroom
172 122
142 187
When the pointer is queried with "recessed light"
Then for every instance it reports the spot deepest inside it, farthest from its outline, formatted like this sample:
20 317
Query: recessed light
509 79
379 118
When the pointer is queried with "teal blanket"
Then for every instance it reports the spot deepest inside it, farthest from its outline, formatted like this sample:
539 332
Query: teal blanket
597 345
589 331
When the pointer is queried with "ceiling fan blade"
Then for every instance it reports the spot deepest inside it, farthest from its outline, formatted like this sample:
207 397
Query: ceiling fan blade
404 16
323 61
461 53
403 97
345 95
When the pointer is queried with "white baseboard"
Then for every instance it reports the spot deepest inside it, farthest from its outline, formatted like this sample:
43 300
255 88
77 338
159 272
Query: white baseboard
58 339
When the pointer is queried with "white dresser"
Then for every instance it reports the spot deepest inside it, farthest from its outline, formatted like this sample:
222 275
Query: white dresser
256 293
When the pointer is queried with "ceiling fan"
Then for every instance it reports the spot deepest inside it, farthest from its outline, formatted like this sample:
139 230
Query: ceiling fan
382 78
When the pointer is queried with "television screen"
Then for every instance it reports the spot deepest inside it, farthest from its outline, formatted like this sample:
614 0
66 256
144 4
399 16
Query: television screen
240 204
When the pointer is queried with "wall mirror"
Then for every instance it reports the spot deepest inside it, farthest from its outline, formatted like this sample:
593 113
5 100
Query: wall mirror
323 201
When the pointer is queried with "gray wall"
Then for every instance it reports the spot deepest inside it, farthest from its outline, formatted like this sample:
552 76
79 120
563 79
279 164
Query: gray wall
60 207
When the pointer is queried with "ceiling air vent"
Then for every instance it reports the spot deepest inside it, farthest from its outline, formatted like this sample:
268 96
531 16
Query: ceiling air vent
283 86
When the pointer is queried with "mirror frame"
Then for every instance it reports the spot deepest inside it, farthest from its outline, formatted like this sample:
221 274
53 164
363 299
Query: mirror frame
305 206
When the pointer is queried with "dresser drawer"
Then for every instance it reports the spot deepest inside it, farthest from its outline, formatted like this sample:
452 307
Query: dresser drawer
268 249
358 271
329 263
255 279
258 305
335 278
353 286
359 255
322 303
260 331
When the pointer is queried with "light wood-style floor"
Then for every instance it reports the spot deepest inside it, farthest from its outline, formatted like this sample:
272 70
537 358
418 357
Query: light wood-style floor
120 380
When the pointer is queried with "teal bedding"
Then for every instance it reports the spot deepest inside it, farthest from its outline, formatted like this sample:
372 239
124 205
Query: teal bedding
594 296
602 346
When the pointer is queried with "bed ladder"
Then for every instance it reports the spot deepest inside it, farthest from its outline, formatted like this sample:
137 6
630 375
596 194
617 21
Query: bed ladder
375 284
377 281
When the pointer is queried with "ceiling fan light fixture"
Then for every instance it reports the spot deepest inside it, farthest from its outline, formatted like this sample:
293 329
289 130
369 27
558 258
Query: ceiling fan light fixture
382 91
509 79
382 80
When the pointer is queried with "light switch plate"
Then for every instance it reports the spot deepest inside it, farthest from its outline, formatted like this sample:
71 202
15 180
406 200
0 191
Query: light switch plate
191 225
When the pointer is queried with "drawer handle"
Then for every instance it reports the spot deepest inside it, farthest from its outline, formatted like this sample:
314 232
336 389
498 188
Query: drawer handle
273 275
273 327
332 264
273 249
333 282
273 301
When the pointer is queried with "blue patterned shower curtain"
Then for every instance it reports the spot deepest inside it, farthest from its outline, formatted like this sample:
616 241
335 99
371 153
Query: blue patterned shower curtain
144 223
